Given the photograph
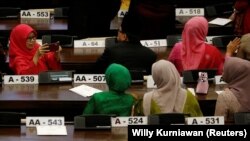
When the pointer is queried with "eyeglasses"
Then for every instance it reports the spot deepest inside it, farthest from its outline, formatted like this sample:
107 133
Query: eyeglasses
32 38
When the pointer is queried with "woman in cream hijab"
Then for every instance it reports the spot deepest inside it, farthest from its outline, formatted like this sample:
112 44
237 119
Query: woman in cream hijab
235 98
169 97
244 49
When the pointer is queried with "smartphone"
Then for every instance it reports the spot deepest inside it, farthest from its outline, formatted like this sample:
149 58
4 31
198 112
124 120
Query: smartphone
54 46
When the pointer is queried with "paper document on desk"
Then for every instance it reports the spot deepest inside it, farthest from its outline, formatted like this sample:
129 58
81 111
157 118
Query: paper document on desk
51 130
85 90
220 21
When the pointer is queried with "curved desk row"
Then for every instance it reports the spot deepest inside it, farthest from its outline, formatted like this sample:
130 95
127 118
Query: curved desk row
58 100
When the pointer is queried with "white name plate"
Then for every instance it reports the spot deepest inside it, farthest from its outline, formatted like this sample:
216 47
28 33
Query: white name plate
122 13
44 121
189 12
35 21
89 43
219 80
125 121
154 43
20 79
150 82
207 120
41 14
89 78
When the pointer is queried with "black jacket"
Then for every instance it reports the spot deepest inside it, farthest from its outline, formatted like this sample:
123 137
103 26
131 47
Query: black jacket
134 56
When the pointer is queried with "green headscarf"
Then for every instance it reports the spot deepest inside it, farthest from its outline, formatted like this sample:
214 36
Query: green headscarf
118 77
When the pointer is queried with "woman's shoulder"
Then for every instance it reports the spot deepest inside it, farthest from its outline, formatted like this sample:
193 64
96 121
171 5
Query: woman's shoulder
211 49
227 95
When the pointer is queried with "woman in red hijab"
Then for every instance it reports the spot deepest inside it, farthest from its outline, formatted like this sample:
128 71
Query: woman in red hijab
241 17
26 56
194 53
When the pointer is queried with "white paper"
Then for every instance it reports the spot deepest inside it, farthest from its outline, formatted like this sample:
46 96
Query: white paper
220 21
219 92
51 130
85 90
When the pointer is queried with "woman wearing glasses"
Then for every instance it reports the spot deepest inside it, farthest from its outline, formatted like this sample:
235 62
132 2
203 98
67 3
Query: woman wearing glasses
26 56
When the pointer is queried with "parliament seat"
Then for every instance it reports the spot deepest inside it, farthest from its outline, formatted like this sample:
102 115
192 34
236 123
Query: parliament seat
173 39
242 118
66 41
222 41
9 12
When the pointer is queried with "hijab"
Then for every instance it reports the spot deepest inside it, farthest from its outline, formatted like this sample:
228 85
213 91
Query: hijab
18 48
118 78
169 95
244 50
237 75
193 42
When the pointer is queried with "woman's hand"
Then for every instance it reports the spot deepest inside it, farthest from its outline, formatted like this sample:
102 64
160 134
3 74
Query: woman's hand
41 51
58 53
233 46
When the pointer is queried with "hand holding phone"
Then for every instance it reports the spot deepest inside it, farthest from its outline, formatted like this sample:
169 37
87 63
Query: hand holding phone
54 46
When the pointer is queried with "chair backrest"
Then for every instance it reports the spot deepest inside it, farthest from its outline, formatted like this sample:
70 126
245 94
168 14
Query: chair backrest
61 12
93 122
11 119
222 41
167 119
51 76
110 41
137 76
9 12
173 39
219 10
4 41
66 41
242 118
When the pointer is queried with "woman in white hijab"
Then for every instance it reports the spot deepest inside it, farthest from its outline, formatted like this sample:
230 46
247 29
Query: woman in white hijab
169 97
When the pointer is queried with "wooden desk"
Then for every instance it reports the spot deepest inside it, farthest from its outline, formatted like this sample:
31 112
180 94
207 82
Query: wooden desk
59 26
82 60
213 30
42 100
58 100
30 134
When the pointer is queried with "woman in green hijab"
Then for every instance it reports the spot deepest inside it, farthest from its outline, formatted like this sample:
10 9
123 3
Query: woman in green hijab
115 100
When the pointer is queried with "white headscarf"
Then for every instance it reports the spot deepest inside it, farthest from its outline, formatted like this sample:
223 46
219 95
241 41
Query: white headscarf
169 95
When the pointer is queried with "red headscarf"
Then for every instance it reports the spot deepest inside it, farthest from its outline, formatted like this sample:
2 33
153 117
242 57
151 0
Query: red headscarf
18 48
241 5
193 42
